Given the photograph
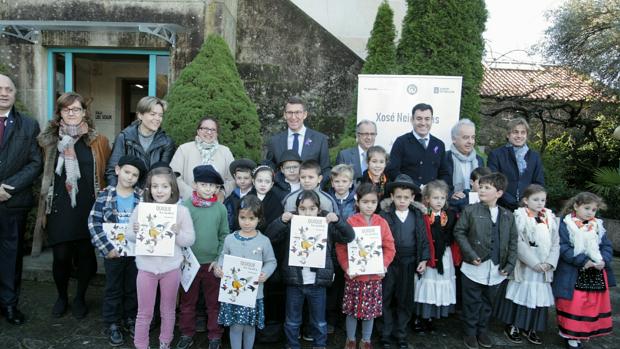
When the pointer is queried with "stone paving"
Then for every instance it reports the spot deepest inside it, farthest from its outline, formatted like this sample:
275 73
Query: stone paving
43 331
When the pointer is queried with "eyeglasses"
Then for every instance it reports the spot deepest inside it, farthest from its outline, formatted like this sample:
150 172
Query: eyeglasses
71 110
290 168
366 134
207 129
294 113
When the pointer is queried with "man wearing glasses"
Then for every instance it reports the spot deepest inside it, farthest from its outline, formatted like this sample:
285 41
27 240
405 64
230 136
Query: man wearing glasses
365 134
308 143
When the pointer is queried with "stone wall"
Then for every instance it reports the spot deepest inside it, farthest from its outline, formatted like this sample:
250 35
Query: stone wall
281 51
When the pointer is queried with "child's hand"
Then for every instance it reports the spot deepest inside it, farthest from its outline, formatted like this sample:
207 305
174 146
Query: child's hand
112 254
351 275
547 266
175 228
476 261
421 267
503 273
212 266
286 217
331 217
262 277
136 227
217 271
600 265
540 268
589 264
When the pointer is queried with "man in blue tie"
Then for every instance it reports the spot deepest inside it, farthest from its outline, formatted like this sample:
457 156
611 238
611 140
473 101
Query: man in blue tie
365 134
419 154
308 143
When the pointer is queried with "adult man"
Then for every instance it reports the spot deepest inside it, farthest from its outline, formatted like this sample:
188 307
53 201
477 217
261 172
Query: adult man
20 164
308 143
461 159
365 134
419 154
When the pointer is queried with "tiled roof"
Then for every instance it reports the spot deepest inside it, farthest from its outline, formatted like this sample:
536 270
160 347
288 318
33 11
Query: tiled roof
539 83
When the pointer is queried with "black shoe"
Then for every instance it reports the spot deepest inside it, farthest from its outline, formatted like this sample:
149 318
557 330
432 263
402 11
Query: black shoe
484 340
385 345
403 345
115 336
470 342
60 307
215 344
130 327
418 326
533 338
79 309
13 316
512 333
185 342
428 326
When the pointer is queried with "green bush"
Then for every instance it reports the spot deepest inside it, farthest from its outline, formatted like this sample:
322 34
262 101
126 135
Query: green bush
210 85
557 167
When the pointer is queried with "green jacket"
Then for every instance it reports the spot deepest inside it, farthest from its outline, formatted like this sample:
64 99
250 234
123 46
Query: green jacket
211 227
473 234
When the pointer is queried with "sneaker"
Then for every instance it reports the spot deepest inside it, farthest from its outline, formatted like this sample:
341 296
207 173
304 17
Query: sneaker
79 308
470 342
307 337
484 340
350 344
215 344
59 308
386 345
115 336
533 338
365 344
130 327
573 344
163 345
512 333
185 342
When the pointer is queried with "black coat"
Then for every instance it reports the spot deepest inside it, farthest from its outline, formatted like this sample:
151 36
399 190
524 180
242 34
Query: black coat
409 157
21 161
128 143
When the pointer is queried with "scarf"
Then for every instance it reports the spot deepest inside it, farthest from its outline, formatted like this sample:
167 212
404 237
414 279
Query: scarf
197 201
462 164
538 230
436 238
520 155
207 150
584 236
69 134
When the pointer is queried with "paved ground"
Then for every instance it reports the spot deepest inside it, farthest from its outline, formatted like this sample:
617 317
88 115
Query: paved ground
42 331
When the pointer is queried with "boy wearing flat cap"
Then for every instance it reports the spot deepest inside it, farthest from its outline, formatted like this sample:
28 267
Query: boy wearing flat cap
114 204
211 225
241 170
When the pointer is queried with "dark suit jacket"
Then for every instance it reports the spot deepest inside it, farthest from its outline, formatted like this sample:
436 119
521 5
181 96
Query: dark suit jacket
351 156
408 156
314 146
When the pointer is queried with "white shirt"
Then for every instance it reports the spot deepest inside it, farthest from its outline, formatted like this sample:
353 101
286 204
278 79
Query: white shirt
402 215
300 138
294 186
418 137
308 276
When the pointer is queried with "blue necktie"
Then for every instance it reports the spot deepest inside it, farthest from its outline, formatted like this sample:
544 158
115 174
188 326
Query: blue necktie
423 142
296 142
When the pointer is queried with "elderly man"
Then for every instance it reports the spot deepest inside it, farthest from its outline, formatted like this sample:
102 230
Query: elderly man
461 159
308 143
20 165
418 154
365 134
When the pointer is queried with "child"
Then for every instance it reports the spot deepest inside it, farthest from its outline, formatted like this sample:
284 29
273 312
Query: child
362 293
582 279
310 178
528 293
342 190
263 177
155 271
114 205
377 159
412 253
210 223
242 173
287 178
247 242
435 290
457 203
487 236
308 283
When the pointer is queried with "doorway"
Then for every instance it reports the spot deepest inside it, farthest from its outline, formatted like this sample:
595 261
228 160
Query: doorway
131 92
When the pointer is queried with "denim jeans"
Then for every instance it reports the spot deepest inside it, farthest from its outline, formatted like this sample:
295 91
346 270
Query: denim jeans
295 296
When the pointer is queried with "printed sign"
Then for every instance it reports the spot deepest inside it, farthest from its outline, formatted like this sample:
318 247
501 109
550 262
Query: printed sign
239 285
308 242
189 268
155 237
366 251
116 235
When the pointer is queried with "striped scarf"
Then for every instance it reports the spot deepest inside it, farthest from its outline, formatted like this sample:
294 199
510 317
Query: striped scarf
69 134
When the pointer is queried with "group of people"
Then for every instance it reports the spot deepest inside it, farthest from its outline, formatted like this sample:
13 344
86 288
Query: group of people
443 216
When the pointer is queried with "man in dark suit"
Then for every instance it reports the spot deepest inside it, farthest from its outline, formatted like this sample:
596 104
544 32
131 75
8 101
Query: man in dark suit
365 134
419 154
308 143
20 165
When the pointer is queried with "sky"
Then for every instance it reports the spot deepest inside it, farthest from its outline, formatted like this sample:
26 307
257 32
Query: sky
515 26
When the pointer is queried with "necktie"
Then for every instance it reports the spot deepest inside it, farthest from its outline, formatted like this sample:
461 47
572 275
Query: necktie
296 142
364 165
2 120
423 142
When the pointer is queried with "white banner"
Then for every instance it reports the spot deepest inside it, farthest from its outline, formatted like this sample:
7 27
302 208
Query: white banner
388 99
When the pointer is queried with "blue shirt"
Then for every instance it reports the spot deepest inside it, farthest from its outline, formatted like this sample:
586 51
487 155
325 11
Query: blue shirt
124 205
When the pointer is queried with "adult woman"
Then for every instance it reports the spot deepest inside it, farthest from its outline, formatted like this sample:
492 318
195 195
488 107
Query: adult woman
204 150
143 138
75 158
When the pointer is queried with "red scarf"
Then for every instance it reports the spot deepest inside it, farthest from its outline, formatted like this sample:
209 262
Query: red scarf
197 201
429 219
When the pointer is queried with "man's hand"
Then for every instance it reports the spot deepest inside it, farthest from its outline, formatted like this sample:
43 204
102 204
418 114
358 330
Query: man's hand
458 195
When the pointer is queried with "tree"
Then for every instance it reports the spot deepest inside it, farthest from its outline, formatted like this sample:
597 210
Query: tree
210 85
585 35
445 38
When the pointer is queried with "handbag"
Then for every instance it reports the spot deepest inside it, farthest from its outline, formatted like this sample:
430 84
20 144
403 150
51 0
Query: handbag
590 279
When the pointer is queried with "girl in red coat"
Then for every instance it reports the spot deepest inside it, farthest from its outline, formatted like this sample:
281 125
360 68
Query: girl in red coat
362 293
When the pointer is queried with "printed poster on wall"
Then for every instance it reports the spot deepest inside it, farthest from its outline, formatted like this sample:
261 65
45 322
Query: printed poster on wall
388 99
239 285
116 235
308 242
189 268
155 237
366 251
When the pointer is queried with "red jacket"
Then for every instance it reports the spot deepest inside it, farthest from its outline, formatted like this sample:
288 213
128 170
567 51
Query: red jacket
387 241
